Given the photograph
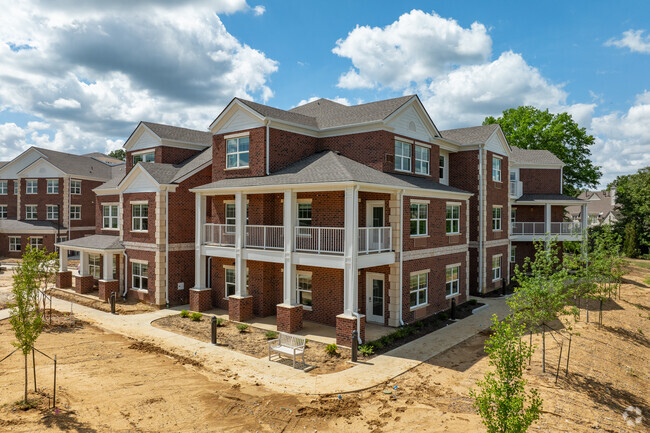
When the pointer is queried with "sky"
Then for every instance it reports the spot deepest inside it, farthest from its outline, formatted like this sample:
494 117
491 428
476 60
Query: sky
79 76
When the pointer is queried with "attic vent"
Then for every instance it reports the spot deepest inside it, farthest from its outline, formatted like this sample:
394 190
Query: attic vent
412 126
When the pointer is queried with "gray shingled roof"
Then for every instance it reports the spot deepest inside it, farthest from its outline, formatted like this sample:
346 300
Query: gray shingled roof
330 167
471 135
97 242
533 156
194 163
77 164
176 133
547 197
601 207
162 173
117 172
22 226
279 114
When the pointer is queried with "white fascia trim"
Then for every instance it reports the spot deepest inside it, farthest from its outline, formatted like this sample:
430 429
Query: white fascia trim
237 135
433 129
17 159
91 250
28 232
193 172
229 107
138 169
137 132
144 151
447 144
453 266
142 262
555 202
184 144
540 166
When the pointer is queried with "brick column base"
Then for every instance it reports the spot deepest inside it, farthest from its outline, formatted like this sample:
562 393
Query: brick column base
106 287
200 299
83 284
289 318
240 309
345 325
64 279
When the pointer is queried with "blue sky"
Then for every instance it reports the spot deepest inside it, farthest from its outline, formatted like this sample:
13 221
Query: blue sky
79 78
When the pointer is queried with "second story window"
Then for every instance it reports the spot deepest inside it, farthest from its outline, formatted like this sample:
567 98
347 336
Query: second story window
237 152
53 186
419 218
422 160
230 217
52 212
442 168
3 212
109 217
402 156
453 219
496 169
304 217
32 186
30 212
15 187
496 218
140 217
75 187
144 157
513 216
3 187
75 212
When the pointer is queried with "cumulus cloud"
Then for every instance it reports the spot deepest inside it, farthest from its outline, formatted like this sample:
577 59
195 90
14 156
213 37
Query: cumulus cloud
338 99
259 10
632 39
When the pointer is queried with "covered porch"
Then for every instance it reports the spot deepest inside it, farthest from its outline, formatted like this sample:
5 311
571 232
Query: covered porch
536 216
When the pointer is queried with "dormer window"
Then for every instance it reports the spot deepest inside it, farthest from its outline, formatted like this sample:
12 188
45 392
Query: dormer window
144 157
402 156
237 152
496 169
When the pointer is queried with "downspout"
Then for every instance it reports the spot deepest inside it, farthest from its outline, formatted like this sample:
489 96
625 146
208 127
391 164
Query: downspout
480 219
167 246
126 274
267 146
401 255
70 207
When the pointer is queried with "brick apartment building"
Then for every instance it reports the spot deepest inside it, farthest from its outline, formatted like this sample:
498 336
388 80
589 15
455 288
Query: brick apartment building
47 196
335 214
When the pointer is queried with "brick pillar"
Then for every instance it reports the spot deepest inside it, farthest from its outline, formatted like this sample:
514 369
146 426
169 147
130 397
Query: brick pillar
200 299
83 284
64 279
345 325
289 318
106 287
240 308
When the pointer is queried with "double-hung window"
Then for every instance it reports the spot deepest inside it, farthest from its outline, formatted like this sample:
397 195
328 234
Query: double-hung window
52 212
53 186
3 212
237 152
422 160
94 265
402 156
419 219
513 254
32 186
15 187
3 187
140 217
496 169
304 217
453 282
496 218
230 218
442 168
109 216
453 219
30 212
75 187
144 157
75 212
513 216
230 281
140 275
303 286
36 243
496 267
419 286
14 243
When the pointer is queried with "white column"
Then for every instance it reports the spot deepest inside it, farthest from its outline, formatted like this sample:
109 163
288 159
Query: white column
289 217
240 234
108 266
547 218
83 263
584 218
351 279
63 259
199 260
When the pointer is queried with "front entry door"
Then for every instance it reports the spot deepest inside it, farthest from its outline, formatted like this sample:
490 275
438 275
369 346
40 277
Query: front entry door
375 298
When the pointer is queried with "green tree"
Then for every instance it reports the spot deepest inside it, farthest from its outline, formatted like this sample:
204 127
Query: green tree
633 200
502 401
531 128
630 241
118 154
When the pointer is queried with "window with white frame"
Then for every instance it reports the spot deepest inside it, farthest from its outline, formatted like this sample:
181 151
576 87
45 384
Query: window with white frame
230 281
140 217
94 265
109 217
303 287
237 152
402 156
3 212
496 218
419 219
52 212
144 157
422 159
496 169
452 285
75 187
513 216
419 286
513 175
75 212
53 186
496 267
3 187
513 254
442 167
14 243
140 276
32 186
31 212
230 217
453 219
304 214
15 187
36 243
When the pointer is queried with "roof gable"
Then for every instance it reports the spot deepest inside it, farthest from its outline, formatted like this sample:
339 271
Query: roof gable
138 180
236 117
412 120
11 169
41 168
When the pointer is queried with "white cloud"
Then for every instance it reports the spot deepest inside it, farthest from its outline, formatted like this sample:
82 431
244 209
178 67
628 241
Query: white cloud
339 100
259 10
632 39
66 103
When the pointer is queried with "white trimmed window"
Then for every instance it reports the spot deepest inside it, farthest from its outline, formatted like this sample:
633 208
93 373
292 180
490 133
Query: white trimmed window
30 212
230 281
53 186
513 216
144 157
75 187
442 169
36 243
304 214
513 254
496 267
453 219
419 219
52 212
237 152
140 276
496 169
109 217
15 187
402 156
14 243
94 265
3 187
422 160
452 286
75 212
140 217
32 186
496 218
3 212
303 287
230 217
419 286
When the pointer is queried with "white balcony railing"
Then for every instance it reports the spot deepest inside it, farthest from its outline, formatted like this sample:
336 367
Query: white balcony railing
566 228
265 237
516 188
374 240
329 240
539 228
222 235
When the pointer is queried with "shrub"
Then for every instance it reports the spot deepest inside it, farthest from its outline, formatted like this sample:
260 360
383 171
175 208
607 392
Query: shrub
220 321
472 302
196 317
419 324
366 349
377 345
271 335
242 327
185 313
387 340
331 349
443 316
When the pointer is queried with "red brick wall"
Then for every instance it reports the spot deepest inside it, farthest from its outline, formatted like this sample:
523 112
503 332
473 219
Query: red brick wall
364 197
150 257
497 194
473 271
463 174
173 155
264 209
182 208
385 270
48 243
10 199
87 201
327 295
437 225
327 208
288 147
180 270
150 235
489 253
41 199
541 181
257 152
99 216
536 213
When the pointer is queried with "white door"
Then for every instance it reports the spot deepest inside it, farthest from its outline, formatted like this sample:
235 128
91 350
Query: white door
375 298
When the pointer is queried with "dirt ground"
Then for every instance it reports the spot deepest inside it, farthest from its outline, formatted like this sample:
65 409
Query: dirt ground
109 383
121 306
6 281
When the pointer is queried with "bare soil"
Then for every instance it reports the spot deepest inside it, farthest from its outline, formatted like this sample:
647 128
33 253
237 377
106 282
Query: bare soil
106 382
121 306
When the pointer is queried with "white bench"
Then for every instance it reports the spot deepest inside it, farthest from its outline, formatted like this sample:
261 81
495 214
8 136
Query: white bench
288 345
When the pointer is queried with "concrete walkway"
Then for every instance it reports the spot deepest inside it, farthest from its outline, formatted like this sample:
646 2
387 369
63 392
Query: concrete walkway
280 377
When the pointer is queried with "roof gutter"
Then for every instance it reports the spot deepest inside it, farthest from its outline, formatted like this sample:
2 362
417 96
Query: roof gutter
481 229
268 154
401 255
